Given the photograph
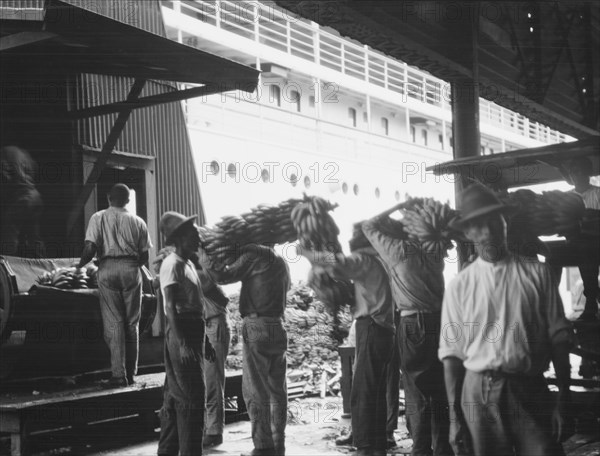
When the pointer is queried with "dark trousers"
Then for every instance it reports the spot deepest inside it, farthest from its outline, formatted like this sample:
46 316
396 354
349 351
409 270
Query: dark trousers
423 379
369 384
508 415
393 385
182 413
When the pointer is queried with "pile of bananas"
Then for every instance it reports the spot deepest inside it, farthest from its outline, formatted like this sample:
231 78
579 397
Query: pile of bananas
552 212
315 227
427 220
68 279
263 224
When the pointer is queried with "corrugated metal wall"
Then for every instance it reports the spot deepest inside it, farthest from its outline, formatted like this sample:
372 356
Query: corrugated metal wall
139 13
158 132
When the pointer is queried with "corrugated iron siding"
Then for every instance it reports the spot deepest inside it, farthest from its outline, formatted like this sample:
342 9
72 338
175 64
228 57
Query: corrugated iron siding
144 14
159 131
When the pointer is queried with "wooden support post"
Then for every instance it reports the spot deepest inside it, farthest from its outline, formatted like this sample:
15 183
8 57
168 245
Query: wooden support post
107 149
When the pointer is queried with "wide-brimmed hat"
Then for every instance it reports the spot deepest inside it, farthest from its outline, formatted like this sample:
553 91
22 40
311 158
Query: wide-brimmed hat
172 222
476 201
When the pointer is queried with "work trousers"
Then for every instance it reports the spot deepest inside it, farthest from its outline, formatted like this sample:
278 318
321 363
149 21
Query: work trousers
264 380
424 387
393 385
182 413
508 415
369 385
120 289
219 335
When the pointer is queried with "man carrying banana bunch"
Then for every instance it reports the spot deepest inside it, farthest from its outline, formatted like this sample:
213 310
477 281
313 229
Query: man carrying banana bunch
265 281
374 316
417 285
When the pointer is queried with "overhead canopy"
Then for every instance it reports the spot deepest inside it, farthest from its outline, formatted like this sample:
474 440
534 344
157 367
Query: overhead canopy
538 58
78 40
522 167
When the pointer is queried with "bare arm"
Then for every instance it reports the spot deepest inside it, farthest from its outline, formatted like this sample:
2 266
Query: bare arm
187 353
143 258
89 250
454 375
562 367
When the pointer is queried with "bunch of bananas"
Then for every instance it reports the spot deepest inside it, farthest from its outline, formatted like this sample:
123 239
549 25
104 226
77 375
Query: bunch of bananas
263 224
333 293
427 220
65 278
552 212
315 227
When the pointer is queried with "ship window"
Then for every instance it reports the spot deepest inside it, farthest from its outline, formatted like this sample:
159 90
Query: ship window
345 188
413 134
365 117
385 125
352 116
264 175
377 192
275 94
214 167
424 137
397 195
231 170
441 141
491 151
311 101
295 98
293 179
482 150
307 181
355 189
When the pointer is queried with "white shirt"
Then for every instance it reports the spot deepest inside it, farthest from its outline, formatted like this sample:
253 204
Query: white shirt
503 316
591 197
188 296
117 232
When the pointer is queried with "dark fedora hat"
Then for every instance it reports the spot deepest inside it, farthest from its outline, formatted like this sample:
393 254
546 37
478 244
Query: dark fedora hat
476 201
171 223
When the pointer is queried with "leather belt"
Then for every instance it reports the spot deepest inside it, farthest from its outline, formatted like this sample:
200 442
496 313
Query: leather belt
123 257
256 315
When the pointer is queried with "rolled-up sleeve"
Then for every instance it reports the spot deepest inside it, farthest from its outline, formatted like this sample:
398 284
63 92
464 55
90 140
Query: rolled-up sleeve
390 249
92 233
452 337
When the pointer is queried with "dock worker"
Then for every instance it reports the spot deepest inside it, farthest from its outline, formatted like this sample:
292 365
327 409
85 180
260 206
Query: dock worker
121 242
265 279
219 333
374 320
579 172
417 284
182 413
502 323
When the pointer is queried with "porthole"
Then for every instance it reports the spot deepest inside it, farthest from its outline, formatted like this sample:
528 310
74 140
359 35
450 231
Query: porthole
264 175
345 188
231 170
355 189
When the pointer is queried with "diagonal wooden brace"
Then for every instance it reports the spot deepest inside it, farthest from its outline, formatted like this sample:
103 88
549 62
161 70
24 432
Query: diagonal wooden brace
107 149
